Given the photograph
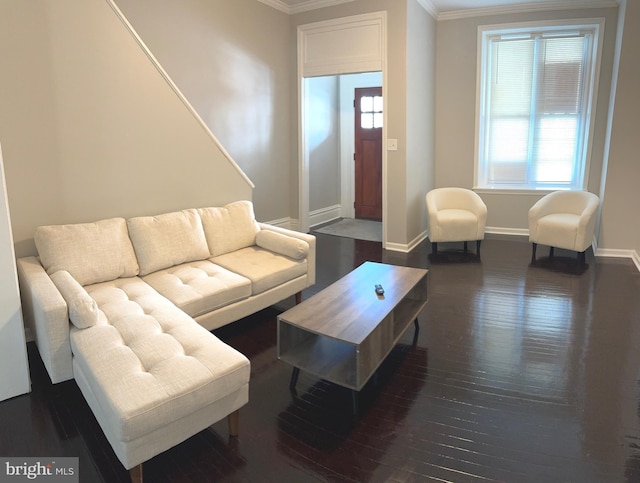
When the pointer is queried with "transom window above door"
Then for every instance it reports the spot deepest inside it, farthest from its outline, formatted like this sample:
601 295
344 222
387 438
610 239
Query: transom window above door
371 112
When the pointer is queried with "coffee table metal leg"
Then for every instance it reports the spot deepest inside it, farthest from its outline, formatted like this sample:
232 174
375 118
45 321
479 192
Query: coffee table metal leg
294 379
416 331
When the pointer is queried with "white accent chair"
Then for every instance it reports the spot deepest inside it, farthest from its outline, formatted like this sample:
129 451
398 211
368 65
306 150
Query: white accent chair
455 215
563 219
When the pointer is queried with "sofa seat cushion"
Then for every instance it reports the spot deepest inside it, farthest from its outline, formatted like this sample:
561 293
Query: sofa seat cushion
200 287
148 363
264 268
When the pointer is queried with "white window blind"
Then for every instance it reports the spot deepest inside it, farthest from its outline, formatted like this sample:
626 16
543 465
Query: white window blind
536 94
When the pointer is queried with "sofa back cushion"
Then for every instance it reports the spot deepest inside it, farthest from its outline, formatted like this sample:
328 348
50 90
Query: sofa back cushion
166 240
90 252
230 227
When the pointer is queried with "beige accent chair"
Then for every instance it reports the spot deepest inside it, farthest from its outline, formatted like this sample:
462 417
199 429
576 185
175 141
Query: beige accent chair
455 215
563 219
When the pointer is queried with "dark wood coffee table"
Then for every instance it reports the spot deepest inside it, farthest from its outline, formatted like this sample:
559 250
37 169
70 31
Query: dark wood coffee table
343 333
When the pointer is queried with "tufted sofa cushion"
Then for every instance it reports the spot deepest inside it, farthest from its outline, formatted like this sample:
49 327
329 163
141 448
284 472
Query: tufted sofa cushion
166 240
200 287
90 252
150 364
230 227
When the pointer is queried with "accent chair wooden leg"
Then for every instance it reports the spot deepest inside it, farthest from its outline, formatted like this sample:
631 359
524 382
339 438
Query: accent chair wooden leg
550 252
466 248
478 242
135 474
298 297
534 247
234 423
434 247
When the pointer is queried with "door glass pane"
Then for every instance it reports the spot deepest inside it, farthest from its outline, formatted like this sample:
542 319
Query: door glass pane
366 120
377 120
377 104
366 104
371 112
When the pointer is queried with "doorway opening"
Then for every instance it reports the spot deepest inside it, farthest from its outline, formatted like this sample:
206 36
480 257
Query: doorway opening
339 183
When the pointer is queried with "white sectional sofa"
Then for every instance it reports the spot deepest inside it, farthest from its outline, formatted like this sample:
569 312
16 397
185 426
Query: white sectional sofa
125 308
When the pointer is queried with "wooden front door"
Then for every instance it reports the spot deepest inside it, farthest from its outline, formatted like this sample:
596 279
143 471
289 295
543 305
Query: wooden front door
368 155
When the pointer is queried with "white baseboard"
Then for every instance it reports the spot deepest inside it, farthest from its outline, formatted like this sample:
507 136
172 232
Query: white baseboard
616 253
283 223
317 217
331 213
324 215
499 230
406 248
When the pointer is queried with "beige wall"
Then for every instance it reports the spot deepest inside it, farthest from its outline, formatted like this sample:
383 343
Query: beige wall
231 60
323 142
421 60
620 228
456 109
89 127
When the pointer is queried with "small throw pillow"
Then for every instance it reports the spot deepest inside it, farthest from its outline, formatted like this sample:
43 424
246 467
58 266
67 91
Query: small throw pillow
83 310
282 244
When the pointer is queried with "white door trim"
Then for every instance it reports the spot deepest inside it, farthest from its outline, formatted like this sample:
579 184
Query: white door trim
340 46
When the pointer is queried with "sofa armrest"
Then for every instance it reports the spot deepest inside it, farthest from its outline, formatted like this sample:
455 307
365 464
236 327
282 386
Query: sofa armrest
310 239
45 312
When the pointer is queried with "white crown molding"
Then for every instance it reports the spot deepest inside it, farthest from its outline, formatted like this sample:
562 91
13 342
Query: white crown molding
315 4
302 7
432 10
278 5
527 7
429 7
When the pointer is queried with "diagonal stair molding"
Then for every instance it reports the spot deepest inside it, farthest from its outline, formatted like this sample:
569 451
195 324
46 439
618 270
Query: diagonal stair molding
176 90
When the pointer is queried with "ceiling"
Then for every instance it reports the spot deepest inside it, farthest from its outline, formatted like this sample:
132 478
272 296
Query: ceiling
448 7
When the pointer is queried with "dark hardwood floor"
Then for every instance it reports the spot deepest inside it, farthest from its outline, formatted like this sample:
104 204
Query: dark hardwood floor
520 373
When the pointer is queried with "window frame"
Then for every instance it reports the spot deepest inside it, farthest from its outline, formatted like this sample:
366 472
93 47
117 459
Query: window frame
596 26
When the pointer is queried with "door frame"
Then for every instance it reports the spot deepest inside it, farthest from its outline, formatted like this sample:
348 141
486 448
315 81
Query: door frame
321 52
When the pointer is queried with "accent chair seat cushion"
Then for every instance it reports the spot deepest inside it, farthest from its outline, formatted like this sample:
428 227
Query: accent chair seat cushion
462 225
558 229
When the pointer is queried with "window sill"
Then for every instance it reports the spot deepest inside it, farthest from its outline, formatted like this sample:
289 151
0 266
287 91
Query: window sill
516 191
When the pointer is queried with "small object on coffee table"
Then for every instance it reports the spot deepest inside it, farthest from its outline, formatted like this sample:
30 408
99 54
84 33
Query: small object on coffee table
379 289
